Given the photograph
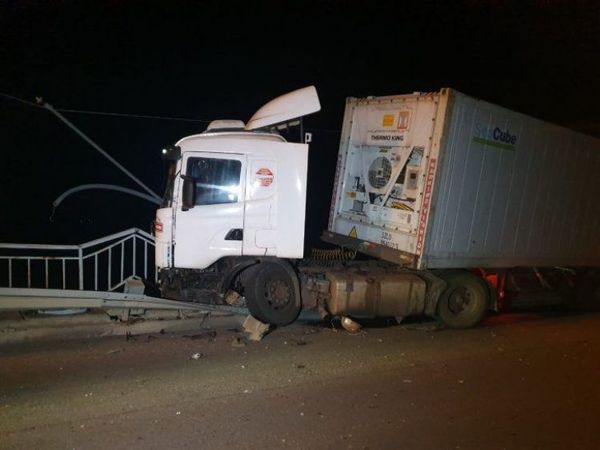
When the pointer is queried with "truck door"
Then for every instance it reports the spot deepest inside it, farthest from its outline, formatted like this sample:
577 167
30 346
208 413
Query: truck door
213 227
260 223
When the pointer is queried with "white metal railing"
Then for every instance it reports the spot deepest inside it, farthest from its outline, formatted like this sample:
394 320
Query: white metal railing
101 264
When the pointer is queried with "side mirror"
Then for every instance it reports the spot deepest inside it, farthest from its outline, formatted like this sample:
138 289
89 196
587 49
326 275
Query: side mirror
188 193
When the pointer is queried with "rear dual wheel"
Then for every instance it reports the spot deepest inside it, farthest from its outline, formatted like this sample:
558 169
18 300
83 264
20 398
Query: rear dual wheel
271 293
465 301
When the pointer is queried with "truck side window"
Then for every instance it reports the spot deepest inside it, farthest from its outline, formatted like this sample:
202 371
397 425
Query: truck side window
217 180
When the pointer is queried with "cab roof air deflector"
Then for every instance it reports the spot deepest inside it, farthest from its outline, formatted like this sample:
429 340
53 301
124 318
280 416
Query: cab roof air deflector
293 105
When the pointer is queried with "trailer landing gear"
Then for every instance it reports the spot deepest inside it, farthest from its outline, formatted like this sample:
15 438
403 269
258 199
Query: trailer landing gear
464 302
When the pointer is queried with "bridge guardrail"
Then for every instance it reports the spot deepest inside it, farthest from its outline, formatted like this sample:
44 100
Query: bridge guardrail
101 264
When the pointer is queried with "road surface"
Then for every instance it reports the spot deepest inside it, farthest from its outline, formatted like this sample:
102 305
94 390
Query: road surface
519 382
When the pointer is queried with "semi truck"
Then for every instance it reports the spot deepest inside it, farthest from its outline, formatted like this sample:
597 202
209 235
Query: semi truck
443 205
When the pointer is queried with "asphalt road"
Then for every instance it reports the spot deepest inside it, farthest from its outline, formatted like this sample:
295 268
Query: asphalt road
518 382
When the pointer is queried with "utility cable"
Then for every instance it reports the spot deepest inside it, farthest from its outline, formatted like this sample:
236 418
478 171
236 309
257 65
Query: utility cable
108 187
100 150
102 113
131 115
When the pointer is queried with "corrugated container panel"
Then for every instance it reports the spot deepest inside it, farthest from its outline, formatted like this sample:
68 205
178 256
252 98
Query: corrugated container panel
499 204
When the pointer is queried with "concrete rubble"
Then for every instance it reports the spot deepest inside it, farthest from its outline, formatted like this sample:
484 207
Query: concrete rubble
255 328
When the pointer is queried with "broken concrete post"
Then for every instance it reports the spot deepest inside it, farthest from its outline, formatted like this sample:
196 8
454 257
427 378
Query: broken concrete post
134 285
232 297
255 328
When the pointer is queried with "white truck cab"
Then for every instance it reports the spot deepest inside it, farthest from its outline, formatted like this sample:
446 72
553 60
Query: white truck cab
236 190
227 198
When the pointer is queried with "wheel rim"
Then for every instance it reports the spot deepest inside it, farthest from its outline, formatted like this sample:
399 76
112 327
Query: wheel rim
459 301
277 293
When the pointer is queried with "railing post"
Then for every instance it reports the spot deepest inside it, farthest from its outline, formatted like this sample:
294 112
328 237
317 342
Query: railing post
96 272
80 255
10 284
122 259
109 268
134 252
28 272
46 270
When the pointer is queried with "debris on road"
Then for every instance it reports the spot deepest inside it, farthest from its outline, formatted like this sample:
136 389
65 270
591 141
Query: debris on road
255 328
436 326
311 331
332 325
350 325
114 350
130 337
197 356
208 335
238 342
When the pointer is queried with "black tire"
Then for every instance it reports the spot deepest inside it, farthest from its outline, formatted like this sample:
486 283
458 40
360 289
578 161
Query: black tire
271 293
465 301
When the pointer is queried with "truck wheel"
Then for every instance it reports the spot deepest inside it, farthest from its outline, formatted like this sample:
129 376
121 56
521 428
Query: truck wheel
464 302
271 293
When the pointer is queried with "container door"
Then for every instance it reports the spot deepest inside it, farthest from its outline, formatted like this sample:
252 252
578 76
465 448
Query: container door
381 173
213 228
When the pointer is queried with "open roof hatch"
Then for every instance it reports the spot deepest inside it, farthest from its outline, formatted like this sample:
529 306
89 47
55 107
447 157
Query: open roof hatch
285 108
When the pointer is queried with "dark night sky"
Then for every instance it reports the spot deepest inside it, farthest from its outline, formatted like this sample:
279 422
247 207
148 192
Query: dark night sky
224 59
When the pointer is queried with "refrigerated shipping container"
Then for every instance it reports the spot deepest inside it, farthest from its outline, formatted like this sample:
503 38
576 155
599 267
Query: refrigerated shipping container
443 180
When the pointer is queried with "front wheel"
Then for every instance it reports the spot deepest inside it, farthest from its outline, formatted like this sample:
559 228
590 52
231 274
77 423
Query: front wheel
271 293
464 302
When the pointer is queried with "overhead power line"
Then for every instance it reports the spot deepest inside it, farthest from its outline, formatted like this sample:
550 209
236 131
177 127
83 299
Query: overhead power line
21 100
135 116
128 115
102 113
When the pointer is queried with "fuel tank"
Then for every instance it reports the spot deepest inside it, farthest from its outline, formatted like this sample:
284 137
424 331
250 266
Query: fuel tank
375 294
